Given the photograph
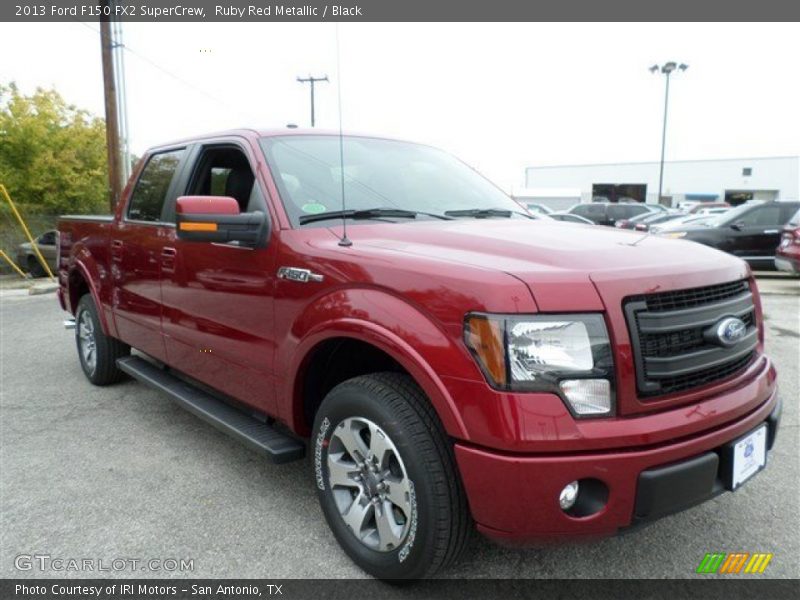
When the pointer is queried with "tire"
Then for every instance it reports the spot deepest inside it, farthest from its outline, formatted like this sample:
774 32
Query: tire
97 352
35 269
423 512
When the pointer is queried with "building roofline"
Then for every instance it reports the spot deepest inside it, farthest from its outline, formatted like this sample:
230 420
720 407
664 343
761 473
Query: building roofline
666 162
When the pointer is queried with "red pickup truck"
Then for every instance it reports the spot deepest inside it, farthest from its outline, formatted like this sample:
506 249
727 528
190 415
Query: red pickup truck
449 361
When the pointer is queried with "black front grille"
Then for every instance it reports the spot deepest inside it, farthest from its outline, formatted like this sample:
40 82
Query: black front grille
694 297
672 336
686 382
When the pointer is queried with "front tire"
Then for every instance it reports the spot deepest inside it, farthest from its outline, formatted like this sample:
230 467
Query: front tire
98 353
386 478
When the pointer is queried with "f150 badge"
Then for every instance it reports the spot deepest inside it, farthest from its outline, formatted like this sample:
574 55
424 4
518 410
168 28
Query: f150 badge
299 275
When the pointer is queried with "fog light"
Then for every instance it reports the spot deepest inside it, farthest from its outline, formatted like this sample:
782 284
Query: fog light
588 396
568 495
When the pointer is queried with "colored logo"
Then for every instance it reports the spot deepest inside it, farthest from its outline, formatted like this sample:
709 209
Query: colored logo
730 331
734 563
749 449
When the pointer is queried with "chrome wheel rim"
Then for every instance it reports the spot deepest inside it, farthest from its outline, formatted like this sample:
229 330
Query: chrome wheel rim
369 483
87 341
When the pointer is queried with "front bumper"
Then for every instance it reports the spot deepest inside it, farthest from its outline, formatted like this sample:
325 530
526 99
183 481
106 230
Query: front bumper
514 498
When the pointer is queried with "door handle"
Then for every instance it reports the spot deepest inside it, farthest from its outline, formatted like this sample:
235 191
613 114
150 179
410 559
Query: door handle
168 255
116 250
770 231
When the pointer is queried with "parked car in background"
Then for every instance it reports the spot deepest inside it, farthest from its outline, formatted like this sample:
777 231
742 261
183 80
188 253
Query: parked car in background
703 206
608 213
570 218
787 257
682 222
750 231
47 244
711 211
648 221
537 208
649 217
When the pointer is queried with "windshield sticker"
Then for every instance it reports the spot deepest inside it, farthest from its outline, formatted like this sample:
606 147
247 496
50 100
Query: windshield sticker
313 208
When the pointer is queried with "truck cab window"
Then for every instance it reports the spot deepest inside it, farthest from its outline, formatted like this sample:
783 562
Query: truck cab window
224 171
147 200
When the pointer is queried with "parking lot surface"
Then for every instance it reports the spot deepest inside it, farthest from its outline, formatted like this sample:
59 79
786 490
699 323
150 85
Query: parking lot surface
121 472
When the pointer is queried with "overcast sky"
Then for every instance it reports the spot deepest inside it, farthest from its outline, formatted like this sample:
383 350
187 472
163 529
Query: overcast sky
500 96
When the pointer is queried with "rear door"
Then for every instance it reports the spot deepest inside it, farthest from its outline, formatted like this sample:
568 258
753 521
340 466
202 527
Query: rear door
137 241
218 298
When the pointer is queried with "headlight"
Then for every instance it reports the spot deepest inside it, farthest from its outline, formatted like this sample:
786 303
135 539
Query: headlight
569 355
674 234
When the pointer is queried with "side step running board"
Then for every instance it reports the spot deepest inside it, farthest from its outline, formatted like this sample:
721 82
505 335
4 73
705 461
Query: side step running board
259 436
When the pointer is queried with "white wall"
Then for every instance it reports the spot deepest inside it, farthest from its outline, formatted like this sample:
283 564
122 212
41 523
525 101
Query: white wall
680 177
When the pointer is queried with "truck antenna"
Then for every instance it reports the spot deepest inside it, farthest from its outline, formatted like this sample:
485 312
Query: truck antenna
344 241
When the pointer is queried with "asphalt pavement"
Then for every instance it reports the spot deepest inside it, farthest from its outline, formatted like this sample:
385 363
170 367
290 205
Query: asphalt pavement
121 473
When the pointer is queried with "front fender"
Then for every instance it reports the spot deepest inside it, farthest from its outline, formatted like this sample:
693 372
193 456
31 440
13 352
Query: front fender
428 350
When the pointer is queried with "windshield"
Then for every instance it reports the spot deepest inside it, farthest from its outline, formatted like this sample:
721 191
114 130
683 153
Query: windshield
377 174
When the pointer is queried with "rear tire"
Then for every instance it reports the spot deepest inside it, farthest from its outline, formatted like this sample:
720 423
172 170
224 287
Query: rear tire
387 479
97 352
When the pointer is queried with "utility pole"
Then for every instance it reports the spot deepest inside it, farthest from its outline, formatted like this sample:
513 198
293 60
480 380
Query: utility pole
312 81
112 122
666 69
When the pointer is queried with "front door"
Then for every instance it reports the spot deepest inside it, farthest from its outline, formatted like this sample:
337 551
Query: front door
218 298
758 232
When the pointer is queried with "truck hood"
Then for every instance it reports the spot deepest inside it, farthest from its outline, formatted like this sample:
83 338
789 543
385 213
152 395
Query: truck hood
562 264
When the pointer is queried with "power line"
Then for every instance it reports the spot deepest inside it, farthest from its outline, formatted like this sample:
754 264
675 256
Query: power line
170 74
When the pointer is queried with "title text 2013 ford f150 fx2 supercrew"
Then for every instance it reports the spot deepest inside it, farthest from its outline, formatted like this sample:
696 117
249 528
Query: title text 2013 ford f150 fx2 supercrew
448 361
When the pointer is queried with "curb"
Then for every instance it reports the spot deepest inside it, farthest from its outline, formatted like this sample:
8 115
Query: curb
42 288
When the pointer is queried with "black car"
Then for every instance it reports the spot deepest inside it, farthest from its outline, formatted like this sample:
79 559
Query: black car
751 231
608 213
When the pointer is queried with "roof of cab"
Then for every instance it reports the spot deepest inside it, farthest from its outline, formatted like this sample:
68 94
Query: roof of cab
252 132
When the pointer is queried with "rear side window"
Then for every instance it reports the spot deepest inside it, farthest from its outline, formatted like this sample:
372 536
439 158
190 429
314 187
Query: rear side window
151 189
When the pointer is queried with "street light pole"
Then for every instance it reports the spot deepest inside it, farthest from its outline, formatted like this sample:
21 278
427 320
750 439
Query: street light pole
667 69
312 81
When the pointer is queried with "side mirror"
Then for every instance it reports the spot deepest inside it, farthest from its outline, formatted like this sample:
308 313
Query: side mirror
217 219
737 226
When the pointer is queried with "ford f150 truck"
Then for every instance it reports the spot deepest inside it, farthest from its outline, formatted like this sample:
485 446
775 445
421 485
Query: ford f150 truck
447 361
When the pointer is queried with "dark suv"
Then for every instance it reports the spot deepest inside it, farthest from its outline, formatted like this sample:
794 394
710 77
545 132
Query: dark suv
608 213
750 231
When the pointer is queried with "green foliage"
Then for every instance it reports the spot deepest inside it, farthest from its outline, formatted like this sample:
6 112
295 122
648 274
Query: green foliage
52 154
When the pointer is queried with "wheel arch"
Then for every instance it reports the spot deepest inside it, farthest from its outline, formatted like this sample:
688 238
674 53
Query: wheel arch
79 283
388 350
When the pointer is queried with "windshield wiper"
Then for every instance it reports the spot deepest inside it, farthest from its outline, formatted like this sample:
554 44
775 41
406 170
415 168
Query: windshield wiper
368 213
482 213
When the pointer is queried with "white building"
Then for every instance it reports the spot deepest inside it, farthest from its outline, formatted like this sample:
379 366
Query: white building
733 180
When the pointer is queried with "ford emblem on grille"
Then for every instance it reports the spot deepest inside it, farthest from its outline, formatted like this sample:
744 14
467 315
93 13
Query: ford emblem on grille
729 331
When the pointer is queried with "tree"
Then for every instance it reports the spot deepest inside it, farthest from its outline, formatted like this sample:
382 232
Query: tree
52 154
